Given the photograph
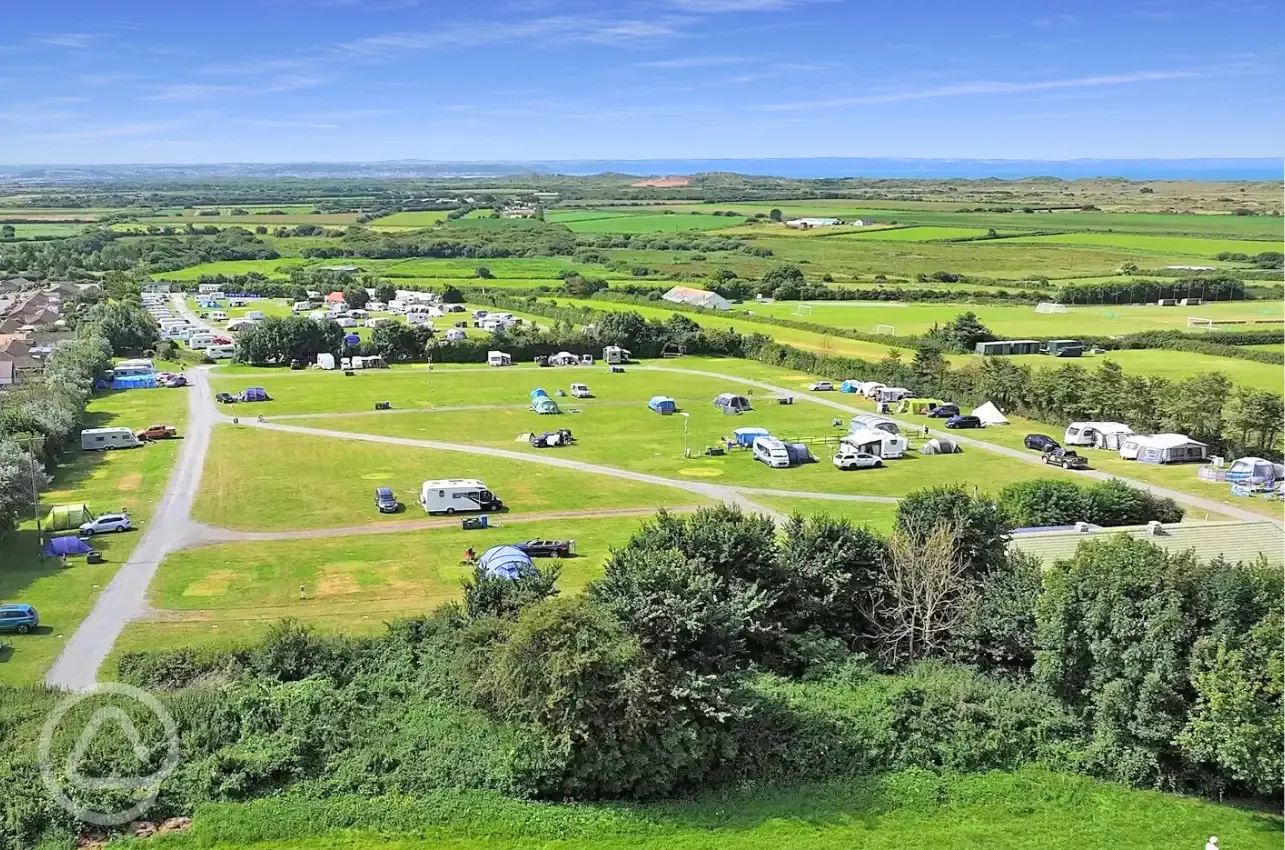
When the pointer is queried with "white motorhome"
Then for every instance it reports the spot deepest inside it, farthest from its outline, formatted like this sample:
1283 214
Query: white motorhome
218 316
220 352
771 451
498 358
106 439
452 495
615 355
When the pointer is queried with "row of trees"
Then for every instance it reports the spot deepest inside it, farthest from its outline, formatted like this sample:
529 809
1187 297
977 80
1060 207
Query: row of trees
100 250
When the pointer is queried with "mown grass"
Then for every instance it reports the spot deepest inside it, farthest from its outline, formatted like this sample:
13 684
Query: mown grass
662 223
26 231
425 218
133 480
257 479
1031 809
1177 365
917 234
1168 245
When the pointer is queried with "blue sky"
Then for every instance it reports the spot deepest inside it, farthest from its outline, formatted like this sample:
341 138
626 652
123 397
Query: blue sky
347 80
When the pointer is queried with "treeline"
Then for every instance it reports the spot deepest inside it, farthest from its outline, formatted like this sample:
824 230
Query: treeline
99 250
1213 287
533 239
716 650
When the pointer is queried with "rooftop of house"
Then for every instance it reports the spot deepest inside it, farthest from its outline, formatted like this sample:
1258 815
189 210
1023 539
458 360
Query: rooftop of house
1233 540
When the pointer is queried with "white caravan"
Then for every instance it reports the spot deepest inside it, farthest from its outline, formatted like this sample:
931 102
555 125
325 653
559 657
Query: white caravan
220 352
106 439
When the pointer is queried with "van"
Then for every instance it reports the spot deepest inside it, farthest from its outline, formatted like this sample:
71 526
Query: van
218 316
771 451
107 439
220 352
452 495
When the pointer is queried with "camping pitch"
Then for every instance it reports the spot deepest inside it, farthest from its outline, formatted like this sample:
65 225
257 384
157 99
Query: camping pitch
990 415
544 405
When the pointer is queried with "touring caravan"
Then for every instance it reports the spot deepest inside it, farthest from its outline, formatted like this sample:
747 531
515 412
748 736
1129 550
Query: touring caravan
498 358
455 335
220 352
864 421
875 441
218 316
106 439
452 495
140 366
200 340
301 307
1099 435
326 361
615 355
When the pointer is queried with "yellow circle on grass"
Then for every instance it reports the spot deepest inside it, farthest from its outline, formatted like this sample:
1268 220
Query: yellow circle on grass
377 476
701 472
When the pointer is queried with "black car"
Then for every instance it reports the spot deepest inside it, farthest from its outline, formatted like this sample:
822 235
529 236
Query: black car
1041 443
225 398
944 411
963 422
1065 458
549 439
386 501
546 548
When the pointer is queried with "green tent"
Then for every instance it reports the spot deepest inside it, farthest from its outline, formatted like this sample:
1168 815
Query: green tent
918 405
65 517
544 404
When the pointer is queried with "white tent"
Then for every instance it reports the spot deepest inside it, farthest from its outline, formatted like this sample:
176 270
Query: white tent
326 361
989 414
1255 470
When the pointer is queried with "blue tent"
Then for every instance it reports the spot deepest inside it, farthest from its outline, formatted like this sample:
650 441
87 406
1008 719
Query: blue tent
505 562
662 404
544 404
538 392
70 545
134 382
746 436
352 340
255 394
850 387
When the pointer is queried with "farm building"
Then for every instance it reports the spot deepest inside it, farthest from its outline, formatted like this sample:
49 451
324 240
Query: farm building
877 442
1235 541
697 298
809 223
1163 448
1008 346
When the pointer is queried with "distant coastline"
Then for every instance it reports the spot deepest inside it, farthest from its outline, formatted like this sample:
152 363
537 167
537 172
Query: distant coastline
795 168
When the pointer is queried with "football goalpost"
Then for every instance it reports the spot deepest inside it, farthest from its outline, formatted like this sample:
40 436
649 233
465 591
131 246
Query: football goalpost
890 330
1050 307
1197 322
803 309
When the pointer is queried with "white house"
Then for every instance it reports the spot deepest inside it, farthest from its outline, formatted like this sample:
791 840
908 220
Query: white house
697 298
809 223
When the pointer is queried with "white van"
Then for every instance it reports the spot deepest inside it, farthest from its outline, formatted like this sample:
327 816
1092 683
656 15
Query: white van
771 451
106 439
450 495
220 352
218 316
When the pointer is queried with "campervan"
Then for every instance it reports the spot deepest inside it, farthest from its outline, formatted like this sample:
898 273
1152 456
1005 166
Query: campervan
451 495
218 316
498 358
220 352
106 439
771 451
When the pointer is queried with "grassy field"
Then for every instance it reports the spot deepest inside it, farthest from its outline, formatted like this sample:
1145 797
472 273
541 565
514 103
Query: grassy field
278 269
652 223
425 218
916 234
219 595
1177 365
331 482
132 480
1031 809
1017 321
1168 245
53 228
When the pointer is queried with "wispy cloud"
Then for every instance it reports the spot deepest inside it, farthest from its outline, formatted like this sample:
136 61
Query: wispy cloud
550 30
74 40
714 7
189 91
307 125
109 131
985 87
693 62
1051 21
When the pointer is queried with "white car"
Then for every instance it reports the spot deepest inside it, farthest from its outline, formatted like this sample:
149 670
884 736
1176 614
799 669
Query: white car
580 391
821 386
857 460
106 523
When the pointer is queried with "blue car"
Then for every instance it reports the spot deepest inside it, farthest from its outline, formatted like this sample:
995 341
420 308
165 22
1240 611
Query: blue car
963 422
18 618
943 411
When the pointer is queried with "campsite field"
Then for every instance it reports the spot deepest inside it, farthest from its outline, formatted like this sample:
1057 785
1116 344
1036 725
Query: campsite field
132 480
1177 365
1016 321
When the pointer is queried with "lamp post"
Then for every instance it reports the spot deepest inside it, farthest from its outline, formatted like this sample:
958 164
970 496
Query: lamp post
687 418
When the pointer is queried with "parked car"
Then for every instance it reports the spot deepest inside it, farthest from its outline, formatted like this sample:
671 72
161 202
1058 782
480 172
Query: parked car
581 391
848 459
176 381
157 432
18 618
106 523
385 501
963 422
821 386
1065 458
225 398
944 411
546 548
560 437
1041 443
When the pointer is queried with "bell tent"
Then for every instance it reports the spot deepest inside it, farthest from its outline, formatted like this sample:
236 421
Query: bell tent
990 415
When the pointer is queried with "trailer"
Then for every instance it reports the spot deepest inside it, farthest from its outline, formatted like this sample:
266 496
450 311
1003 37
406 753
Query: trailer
107 439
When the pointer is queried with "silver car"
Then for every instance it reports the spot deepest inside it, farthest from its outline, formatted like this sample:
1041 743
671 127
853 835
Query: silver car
106 523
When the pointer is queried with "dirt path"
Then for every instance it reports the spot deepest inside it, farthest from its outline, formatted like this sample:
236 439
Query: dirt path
1025 457
125 597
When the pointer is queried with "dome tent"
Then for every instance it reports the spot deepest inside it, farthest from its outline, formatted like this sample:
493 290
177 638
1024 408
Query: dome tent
543 404
1254 470
505 562
537 392
662 404
939 446
66 545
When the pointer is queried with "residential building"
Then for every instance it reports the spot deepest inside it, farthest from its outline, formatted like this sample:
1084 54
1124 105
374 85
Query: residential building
697 298
1232 540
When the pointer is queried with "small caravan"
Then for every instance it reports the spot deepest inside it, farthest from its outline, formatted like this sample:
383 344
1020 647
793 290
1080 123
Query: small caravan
1098 435
220 352
498 358
107 439
453 495
877 442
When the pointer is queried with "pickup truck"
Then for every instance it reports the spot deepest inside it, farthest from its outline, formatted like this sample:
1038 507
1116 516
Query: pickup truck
1065 458
157 432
